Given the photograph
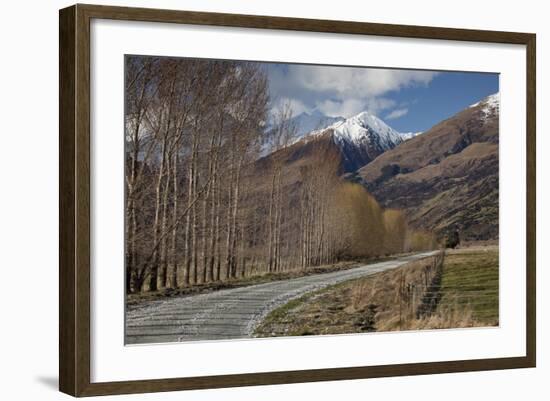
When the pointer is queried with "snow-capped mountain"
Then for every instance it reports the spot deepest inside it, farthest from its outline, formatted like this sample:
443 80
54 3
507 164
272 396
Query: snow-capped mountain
489 106
409 135
307 122
360 138
366 128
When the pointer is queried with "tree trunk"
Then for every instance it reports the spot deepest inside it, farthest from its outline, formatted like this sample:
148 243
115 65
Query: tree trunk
271 225
205 231
217 235
153 276
229 238
278 221
164 221
213 218
232 261
188 218
174 277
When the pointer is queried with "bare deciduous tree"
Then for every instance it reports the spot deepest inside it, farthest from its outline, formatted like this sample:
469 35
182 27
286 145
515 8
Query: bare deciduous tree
204 204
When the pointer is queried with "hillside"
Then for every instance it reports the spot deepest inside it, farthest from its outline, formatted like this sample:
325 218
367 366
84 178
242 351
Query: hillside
446 178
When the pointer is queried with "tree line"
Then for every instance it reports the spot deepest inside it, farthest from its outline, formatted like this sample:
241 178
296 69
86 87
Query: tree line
201 203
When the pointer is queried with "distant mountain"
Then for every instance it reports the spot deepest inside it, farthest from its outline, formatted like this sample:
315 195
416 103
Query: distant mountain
360 139
446 178
410 135
307 122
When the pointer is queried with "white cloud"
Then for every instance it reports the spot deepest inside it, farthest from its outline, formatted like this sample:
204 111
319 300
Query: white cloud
377 104
342 91
356 82
341 108
397 113
296 105
352 106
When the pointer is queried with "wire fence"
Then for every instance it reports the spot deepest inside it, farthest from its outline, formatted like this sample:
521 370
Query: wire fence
427 295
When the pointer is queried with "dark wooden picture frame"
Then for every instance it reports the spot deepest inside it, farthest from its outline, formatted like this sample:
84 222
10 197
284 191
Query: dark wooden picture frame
74 203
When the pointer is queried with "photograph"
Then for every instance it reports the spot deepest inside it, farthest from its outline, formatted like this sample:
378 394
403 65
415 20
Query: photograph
265 200
279 199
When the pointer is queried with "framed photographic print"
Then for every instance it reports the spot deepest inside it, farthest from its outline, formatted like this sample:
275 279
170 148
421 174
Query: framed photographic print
250 200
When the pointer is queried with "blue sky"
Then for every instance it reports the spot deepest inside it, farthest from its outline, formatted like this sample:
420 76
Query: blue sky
408 100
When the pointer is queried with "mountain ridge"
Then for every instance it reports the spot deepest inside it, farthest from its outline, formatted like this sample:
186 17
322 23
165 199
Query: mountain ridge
447 178
360 138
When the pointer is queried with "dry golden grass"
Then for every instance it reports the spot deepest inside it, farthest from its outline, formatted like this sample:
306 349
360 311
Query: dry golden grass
346 308
455 316
457 307
395 306
467 296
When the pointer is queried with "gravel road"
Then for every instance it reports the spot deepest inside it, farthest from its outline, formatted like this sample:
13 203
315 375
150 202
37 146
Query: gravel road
232 313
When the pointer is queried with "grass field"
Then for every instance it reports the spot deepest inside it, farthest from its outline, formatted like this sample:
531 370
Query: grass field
470 281
462 291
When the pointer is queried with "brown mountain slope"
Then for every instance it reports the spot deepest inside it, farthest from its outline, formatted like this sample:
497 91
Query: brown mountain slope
446 178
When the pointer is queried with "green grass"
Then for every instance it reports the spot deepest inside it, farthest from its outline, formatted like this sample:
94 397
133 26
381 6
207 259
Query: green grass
469 297
470 279
318 312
